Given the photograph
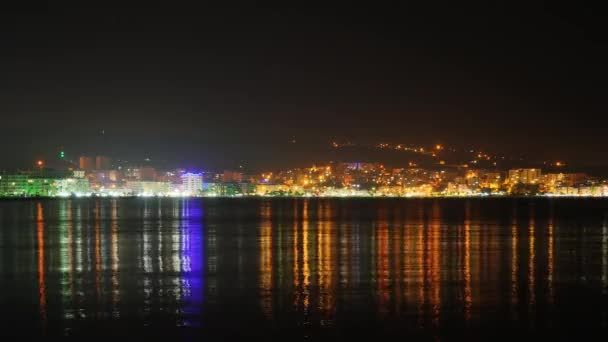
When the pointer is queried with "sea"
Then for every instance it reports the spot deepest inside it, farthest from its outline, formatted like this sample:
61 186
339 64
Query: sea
304 269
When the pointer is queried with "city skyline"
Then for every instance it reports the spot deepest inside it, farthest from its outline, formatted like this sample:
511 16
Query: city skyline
101 177
303 172
240 85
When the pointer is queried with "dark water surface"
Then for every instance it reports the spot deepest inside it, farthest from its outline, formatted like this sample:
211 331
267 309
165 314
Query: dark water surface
303 269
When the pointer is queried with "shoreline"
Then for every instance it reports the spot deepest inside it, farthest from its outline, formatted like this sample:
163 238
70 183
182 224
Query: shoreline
485 197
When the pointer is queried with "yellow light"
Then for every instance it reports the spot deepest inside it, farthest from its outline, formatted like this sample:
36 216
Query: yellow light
438 147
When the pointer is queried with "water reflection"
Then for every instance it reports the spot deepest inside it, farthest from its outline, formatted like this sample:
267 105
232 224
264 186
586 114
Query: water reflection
605 256
266 258
304 264
531 264
41 263
114 258
468 295
514 265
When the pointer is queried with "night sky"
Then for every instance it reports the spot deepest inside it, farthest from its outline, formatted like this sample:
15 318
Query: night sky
216 87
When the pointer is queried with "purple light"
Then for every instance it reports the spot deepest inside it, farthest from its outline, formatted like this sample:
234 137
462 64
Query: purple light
192 261
190 174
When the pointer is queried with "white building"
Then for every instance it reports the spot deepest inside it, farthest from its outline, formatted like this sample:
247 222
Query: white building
149 188
70 186
192 183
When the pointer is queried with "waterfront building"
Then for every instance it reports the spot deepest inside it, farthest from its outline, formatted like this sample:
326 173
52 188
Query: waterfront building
192 183
73 186
149 188
524 176
270 189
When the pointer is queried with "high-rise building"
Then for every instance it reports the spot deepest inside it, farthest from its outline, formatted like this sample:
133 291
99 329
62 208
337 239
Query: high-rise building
192 183
103 163
86 163
525 176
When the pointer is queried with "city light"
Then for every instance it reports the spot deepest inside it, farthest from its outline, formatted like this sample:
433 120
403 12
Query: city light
416 178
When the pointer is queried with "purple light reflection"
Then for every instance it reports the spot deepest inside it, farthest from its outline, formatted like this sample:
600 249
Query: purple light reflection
192 261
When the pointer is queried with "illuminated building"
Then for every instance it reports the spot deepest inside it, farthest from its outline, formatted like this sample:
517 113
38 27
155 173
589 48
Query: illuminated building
70 186
229 189
573 179
86 163
149 188
99 177
12 185
141 174
566 191
192 183
524 176
114 175
211 189
591 191
27 185
369 167
247 188
103 163
491 180
472 178
172 176
457 189
270 189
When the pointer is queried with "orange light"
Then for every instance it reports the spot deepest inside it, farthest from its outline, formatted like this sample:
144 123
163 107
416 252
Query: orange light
39 163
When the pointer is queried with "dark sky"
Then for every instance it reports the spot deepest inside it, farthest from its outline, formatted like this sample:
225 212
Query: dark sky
215 86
